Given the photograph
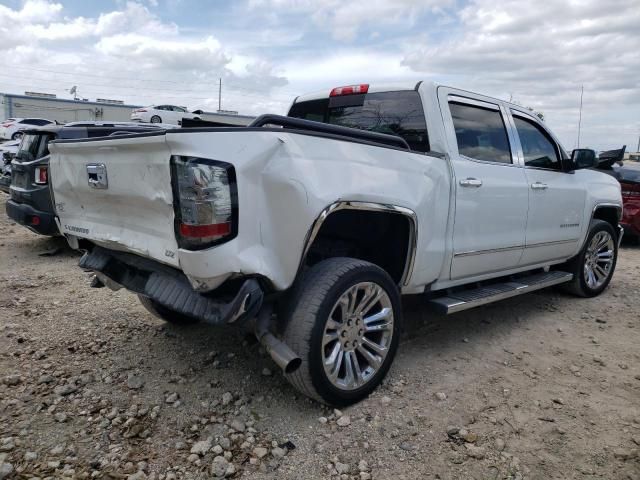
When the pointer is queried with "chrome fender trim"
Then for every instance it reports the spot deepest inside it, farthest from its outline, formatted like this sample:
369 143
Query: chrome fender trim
374 207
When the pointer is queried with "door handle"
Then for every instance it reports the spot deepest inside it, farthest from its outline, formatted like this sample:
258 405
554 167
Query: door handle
539 186
471 182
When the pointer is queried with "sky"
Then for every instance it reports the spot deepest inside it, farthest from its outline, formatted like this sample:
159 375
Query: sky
537 53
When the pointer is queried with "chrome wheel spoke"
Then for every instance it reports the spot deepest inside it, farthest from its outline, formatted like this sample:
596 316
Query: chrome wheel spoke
383 314
379 349
600 272
380 327
335 368
371 297
356 367
373 360
329 337
606 256
333 356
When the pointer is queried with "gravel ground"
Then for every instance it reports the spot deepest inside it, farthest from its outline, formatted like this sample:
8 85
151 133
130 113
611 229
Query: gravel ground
544 386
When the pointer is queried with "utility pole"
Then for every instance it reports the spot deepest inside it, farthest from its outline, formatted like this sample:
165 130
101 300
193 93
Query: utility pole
580 117
638 150
220 94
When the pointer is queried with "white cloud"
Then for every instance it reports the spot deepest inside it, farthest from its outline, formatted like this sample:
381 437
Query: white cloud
130 54
345 18
268 51
541 53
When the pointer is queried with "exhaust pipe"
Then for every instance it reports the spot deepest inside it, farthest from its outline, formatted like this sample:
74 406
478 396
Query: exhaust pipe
281 354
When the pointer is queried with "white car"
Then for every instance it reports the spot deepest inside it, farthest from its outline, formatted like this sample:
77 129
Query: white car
11 128
417 189
163 114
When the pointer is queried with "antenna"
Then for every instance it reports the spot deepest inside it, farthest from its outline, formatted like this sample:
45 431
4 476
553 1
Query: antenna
580 117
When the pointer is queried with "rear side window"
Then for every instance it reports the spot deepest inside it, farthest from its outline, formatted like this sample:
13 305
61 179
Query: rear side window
480 133
33 147
394 113
538 148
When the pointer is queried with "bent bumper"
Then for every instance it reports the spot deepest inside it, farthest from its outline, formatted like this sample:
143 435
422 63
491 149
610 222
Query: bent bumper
35 220
171 289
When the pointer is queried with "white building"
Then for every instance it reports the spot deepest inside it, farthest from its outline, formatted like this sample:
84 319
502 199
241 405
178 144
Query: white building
66 110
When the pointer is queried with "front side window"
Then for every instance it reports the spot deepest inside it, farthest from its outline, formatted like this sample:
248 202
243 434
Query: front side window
480 133
394 113
538 148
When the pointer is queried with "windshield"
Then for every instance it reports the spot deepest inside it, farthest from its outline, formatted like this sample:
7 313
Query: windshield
394 113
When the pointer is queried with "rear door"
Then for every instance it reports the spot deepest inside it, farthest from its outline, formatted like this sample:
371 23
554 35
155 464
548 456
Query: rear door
491 196
556 197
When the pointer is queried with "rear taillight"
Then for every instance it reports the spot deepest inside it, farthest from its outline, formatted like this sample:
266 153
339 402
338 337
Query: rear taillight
630 189
7 124
140 110
349 90
41 176
206 202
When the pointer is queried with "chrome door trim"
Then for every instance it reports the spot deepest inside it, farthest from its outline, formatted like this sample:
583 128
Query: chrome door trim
374 207
514 247
489 250
555 242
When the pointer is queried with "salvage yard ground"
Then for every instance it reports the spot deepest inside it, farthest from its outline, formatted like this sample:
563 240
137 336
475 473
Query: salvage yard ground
544 386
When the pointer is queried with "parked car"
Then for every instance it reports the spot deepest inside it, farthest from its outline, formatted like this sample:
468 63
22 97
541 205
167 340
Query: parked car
628 174
12 128
30 203
171 114
7 152
424 189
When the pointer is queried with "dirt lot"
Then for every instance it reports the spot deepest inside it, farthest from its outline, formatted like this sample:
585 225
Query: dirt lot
545 386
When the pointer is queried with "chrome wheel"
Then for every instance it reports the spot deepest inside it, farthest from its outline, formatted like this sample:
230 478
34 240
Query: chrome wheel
598 259
357 335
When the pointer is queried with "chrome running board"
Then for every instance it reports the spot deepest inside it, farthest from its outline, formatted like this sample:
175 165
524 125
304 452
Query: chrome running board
456 301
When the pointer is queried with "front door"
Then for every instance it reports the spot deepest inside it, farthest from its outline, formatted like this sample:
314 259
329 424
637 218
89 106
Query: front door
556 198
491 196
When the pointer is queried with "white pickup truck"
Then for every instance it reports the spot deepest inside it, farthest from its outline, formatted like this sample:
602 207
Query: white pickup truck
311 226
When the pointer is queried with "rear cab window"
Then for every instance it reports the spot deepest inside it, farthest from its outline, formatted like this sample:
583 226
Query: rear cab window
394 113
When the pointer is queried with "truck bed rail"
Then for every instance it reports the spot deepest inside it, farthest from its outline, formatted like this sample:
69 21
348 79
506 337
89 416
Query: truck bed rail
300 124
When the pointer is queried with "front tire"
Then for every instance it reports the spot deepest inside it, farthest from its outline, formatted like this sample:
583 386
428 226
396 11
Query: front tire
16 136
164 313
344 322
594 266
156 119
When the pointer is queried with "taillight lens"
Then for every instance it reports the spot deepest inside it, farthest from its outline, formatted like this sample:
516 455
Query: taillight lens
206 202
41 175
630 189
349 90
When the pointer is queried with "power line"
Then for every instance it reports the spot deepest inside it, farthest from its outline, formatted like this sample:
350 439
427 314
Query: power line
176 82
158 91
165 93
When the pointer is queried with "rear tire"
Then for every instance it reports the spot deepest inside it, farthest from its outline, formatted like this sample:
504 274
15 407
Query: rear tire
593 267
156 119
344 322
16 136
164 313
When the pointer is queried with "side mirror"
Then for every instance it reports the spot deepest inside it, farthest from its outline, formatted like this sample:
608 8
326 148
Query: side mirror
583 158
